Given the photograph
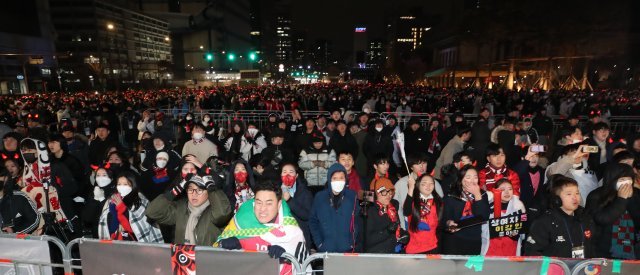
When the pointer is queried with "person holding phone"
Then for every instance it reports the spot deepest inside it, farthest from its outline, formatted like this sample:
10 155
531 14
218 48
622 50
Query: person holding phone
613 213
573 164
530 173
466 208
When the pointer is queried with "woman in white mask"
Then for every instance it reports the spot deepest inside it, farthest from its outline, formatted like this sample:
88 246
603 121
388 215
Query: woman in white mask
104 187
123 216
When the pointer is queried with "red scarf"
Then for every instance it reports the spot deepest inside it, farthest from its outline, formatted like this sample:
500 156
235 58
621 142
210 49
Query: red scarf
391 211
469 199
425 208
434 141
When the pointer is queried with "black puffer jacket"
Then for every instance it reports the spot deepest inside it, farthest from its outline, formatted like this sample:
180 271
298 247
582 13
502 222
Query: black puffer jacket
555 233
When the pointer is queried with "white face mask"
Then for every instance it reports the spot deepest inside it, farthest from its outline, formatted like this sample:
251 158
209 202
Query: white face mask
197 136
337 186
124 190
161 163
189 117
252 131
379 129
103 181
159 148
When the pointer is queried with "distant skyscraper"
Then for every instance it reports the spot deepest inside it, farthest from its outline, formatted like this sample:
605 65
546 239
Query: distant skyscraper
375 53
283 46
410 32
300 54
322 54
360 47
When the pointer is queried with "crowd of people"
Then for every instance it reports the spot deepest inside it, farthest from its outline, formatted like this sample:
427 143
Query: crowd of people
113 166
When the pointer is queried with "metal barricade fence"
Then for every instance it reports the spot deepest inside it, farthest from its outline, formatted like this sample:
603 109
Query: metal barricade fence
34 254
606 266
146 258
360 264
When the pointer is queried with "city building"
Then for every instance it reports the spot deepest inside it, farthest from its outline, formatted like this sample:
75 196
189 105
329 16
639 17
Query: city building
283 46
101 45
376 54
27 53
360 47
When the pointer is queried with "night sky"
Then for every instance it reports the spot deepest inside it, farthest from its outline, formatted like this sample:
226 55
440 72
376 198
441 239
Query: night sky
335 19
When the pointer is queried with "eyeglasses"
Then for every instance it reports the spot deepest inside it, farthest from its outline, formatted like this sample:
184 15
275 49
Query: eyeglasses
197 191
386 192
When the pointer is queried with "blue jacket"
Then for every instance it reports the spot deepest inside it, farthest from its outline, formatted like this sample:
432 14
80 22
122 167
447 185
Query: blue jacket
335 230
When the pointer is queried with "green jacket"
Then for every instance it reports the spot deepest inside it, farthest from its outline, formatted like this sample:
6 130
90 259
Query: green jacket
210 225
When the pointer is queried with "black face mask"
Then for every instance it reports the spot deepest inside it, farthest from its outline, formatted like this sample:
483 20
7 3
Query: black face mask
29 157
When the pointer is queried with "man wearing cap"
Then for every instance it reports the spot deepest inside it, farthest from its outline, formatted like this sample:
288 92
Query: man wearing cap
99 145
335 220
76 145
199 216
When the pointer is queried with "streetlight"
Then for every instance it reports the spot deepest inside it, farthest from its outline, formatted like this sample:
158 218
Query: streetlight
166 38
110 26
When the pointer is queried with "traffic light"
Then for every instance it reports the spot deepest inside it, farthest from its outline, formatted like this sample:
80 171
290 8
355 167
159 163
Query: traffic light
208 57
231 57
253 56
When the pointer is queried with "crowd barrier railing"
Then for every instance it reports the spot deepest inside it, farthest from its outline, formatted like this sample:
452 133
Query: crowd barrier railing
118 257
29 254
362 264
606 267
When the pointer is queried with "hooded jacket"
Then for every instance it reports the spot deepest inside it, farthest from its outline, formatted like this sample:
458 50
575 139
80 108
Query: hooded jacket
335 227
230 186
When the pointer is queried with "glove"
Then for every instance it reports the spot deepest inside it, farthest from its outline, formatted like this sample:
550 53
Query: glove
423 226
275 251
177 190
404 237
98 194
230 243
392 227
398 248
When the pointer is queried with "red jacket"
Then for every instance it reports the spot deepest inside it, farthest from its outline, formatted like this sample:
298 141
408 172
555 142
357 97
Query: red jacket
488 176
354 181
423 241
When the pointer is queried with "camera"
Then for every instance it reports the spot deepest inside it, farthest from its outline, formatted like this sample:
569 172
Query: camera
368 196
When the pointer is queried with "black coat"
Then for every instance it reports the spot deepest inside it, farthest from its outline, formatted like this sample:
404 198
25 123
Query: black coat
346 143
605 216
380 231
300 205
19 212
416 141
98 150
377 143
526 187
549 235
453 208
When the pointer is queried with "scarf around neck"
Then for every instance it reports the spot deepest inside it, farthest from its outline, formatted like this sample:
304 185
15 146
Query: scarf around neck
194 215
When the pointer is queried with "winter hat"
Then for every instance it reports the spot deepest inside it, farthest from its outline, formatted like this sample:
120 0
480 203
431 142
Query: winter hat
317 137
162 155
201 182
336 167
382 184
277 133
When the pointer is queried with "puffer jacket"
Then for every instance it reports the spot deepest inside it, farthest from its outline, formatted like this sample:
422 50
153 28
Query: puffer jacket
316 176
